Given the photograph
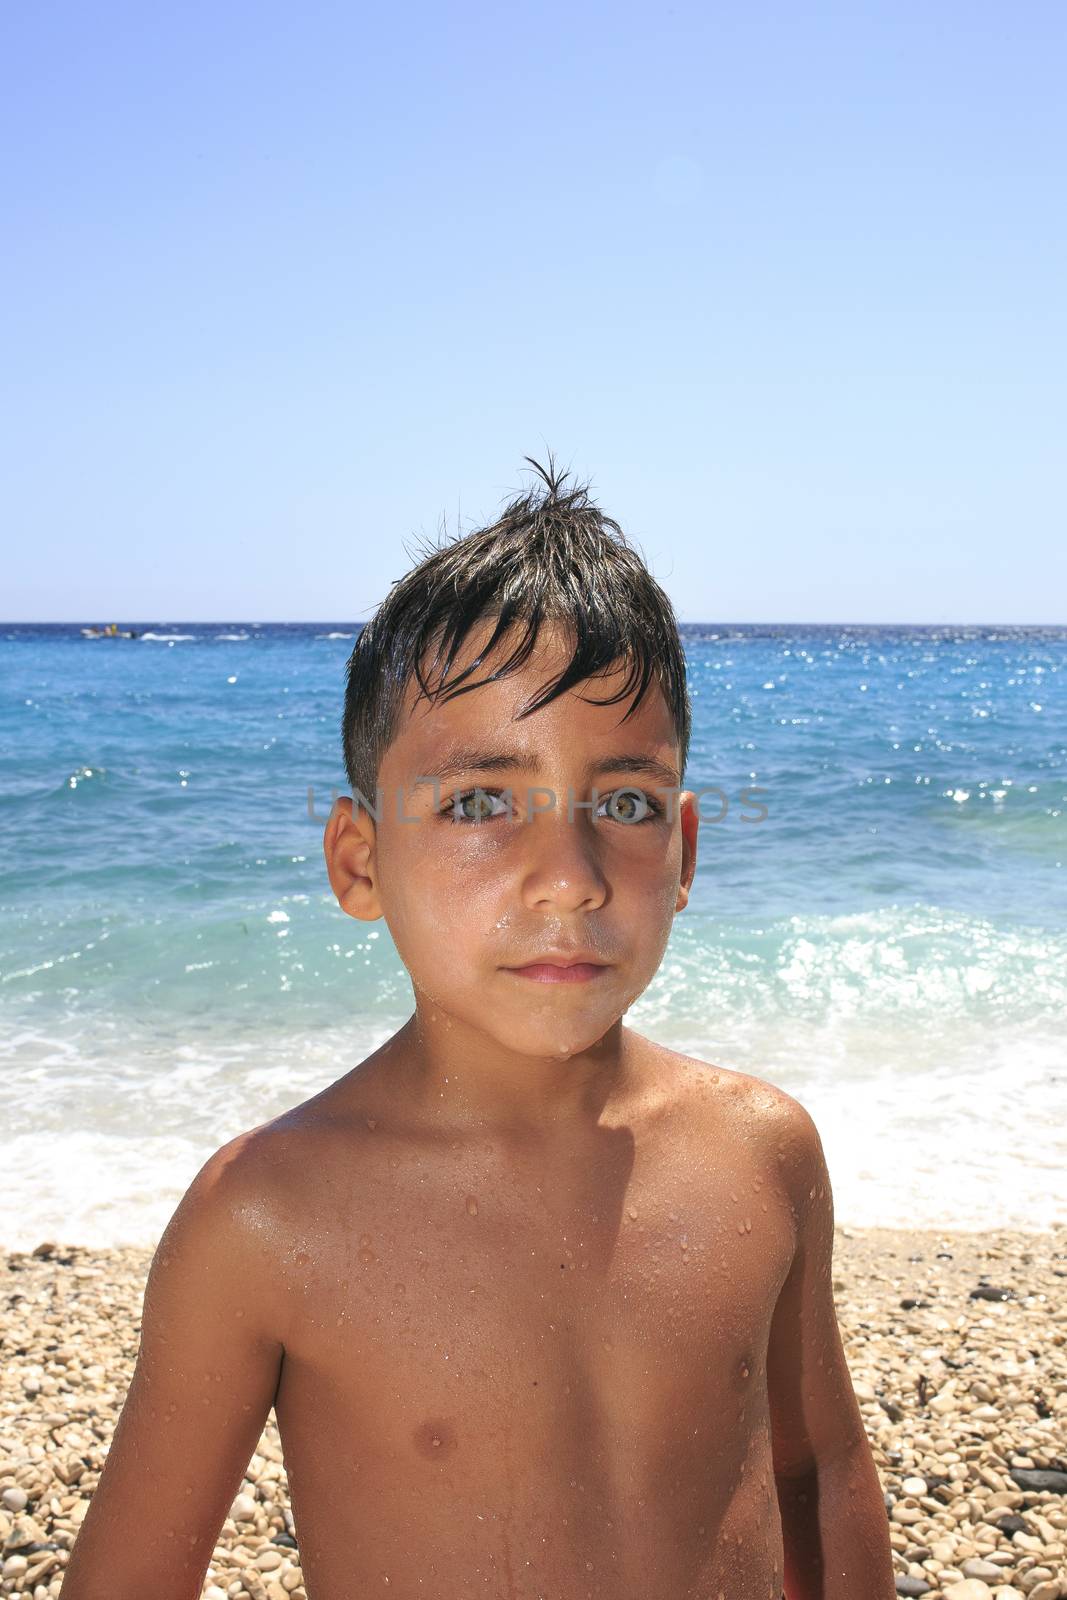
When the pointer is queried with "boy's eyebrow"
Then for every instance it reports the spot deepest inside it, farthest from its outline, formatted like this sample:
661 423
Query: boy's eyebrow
456 761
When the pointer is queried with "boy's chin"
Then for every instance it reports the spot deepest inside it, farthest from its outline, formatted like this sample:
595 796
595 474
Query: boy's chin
556 1040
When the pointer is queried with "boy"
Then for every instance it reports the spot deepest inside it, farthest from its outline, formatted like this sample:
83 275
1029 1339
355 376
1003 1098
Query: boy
544 1309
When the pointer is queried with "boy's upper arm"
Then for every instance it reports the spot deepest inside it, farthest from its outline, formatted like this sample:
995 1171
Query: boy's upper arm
205 1377
814 1412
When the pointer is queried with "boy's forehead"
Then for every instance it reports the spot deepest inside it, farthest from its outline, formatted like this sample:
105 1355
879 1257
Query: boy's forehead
488 715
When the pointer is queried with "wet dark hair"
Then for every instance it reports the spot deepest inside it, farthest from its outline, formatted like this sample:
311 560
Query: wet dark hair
551 556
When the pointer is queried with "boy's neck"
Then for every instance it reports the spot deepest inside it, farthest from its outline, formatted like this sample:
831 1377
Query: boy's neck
440 1069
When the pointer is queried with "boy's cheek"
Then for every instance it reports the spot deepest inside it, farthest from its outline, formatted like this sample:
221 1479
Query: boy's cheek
435 933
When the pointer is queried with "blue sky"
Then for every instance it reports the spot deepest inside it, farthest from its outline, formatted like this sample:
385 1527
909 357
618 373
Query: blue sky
287 286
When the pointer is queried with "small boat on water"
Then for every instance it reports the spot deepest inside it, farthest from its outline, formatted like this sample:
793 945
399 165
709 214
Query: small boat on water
112 631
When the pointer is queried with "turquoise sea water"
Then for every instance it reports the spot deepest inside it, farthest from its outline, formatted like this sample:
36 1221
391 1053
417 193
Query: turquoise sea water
890 945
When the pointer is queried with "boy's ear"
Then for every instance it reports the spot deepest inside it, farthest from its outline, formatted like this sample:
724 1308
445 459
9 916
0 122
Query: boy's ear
689 817
348 845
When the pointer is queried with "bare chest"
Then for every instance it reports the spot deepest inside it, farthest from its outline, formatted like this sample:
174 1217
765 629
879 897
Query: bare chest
531 1378
613 1316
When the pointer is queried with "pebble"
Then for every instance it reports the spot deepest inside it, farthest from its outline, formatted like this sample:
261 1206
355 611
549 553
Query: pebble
964 1400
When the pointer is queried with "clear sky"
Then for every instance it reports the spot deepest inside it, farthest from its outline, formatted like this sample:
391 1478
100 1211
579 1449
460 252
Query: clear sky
286 285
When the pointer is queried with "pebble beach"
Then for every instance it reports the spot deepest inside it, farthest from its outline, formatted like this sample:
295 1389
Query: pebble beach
957 1344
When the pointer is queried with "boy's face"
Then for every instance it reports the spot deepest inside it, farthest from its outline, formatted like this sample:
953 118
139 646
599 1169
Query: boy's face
469 901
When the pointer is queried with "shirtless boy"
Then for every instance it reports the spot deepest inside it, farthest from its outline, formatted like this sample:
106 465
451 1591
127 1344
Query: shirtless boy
544 1309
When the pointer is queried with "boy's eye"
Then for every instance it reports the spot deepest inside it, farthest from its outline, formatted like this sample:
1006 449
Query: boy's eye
631 806
627 806
474 805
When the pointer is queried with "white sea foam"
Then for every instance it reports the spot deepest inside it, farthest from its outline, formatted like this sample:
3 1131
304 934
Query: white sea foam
964 1131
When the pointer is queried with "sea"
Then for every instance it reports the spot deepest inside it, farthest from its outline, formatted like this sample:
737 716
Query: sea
888 943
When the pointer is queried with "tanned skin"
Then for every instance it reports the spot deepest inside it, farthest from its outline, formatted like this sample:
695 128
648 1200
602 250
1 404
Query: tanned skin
544 1309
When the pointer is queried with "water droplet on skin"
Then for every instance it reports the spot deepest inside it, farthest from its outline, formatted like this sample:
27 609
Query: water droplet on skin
744 1370
364 1241
632 1214
301 1258
371 1123
740 1227
472 1206
748 1224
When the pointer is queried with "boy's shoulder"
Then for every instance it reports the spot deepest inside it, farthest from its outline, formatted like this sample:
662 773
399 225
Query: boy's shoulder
772 1122
770 1106
278 1174
262 1163
352 1106
275 1170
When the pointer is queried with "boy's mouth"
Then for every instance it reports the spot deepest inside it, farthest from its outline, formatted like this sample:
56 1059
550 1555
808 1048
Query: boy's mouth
557 968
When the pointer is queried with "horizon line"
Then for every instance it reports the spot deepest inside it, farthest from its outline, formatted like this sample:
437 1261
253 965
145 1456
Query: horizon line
314 622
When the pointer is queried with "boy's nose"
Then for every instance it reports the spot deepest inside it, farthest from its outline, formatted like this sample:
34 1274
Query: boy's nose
561 861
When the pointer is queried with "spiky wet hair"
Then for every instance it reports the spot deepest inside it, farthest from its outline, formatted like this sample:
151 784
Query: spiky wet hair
551 556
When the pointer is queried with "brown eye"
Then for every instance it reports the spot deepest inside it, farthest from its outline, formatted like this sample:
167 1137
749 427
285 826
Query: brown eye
631 806
473 805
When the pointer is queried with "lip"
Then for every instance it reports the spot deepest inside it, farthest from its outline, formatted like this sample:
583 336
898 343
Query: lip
561 969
